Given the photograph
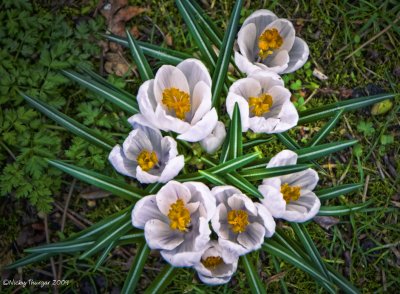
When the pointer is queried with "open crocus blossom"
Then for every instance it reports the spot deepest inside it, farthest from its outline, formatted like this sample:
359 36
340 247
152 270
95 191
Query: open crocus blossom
175 221
264 103
179 100
212 268
290 197
147 156
213 141
268 43
240 224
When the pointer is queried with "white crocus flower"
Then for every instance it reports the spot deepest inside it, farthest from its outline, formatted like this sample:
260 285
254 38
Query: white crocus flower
147 156
240 224
290 197
178 99
213 269
212 142
175 221
264 103
268 43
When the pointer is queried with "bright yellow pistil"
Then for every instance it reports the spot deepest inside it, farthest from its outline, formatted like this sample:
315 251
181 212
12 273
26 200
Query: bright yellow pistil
238 219
261 104
212 261
147 160
268 41
176 100
290 193
179 216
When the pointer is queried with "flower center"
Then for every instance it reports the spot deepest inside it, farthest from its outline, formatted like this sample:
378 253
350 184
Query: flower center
147 160
290 193
176 100
261 104
179 216
238 219
212 261
268 41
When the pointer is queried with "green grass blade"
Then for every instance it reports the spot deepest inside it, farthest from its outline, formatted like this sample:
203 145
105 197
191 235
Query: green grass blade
190 177
256 142
336 191
252 276
321 135
262 173
212 178
225 149
278 270
106 92
242 184
310 153
308 244
62 247
31 258
198 36
153 188
225 54
70 124
165 55
342 209
142 65
235 135
117 187
136 270
234 164
339 280
104 255
288 141
163 279
325 111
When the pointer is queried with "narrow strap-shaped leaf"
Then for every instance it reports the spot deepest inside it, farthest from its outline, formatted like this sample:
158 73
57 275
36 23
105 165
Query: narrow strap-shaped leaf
198 36
207 20
278 270
310 247
347 105
132 238
288 141
153 188
342 209
106 92
242 184
62 247
252 276
70 124
343 283
117 187
262 173
234 164
142 65
104 255
235 134
136 270
333 192
321 135
225 150
225 54
190 177
256 142
275 249
162 280
310 153
214 179
165 55
31 258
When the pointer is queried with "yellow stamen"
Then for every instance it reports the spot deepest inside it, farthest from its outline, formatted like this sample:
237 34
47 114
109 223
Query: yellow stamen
147 160
179 216
261 104
176 100
212 261
238 219
290 193
268 41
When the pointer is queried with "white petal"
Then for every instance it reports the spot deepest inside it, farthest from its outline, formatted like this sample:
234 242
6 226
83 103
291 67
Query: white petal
181 259
253 237
286 30
172 169
231 100
273 200
279 62
169 148
259 124
136 142
285 157
268 220
246 40
298 55
153 134
159 235
167 122
146 209
261 18
280 95
303 209
212 142
246 87
169 194
147 102
267 79
195 71
121 163
230 250
306 179
245 65
288 118
219 214
201 102
201 129
214 280
142 120
275 182
145 177
222 193
201 192
169 76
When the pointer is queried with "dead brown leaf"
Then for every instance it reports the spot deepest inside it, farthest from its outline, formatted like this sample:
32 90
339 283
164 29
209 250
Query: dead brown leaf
326 221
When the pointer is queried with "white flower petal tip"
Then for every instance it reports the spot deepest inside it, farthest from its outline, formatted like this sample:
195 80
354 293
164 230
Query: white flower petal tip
268 43
175 221
264 103
240 224
178 99
212 268
212 142
146 155
290 197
